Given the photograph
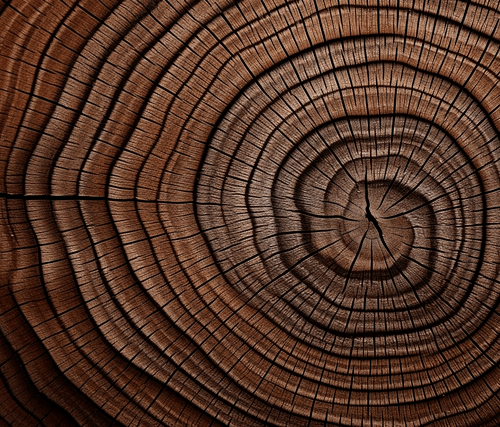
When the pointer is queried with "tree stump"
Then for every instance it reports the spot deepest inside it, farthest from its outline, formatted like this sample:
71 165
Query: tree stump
250 213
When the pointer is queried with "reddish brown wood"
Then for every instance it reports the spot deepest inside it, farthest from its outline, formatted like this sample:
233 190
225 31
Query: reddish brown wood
252 213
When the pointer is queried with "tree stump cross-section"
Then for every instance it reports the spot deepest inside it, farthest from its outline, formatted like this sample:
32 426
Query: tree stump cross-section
250 213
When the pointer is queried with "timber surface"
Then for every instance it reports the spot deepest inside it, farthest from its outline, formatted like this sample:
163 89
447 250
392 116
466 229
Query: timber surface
249 213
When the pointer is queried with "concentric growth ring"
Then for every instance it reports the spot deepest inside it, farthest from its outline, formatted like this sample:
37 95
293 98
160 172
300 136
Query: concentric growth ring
252 213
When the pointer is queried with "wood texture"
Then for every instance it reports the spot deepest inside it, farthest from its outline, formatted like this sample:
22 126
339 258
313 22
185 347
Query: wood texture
251 213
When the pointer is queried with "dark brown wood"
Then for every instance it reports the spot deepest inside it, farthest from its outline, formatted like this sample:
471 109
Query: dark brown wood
252 213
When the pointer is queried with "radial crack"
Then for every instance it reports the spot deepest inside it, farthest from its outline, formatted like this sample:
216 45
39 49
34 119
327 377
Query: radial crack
369 215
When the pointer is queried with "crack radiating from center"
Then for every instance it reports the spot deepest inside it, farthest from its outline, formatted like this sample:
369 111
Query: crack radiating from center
369 215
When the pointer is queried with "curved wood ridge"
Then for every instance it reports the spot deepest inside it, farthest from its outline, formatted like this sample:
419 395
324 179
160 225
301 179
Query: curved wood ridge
250 213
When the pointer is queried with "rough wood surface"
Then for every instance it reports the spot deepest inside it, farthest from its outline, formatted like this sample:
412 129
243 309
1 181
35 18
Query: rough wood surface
250 213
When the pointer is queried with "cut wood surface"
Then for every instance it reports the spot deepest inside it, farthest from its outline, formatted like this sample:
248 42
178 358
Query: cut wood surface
250 213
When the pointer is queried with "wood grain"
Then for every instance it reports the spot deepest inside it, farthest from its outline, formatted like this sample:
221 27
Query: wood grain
251 213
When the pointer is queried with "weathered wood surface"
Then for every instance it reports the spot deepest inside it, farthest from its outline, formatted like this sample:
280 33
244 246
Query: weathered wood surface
252 213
